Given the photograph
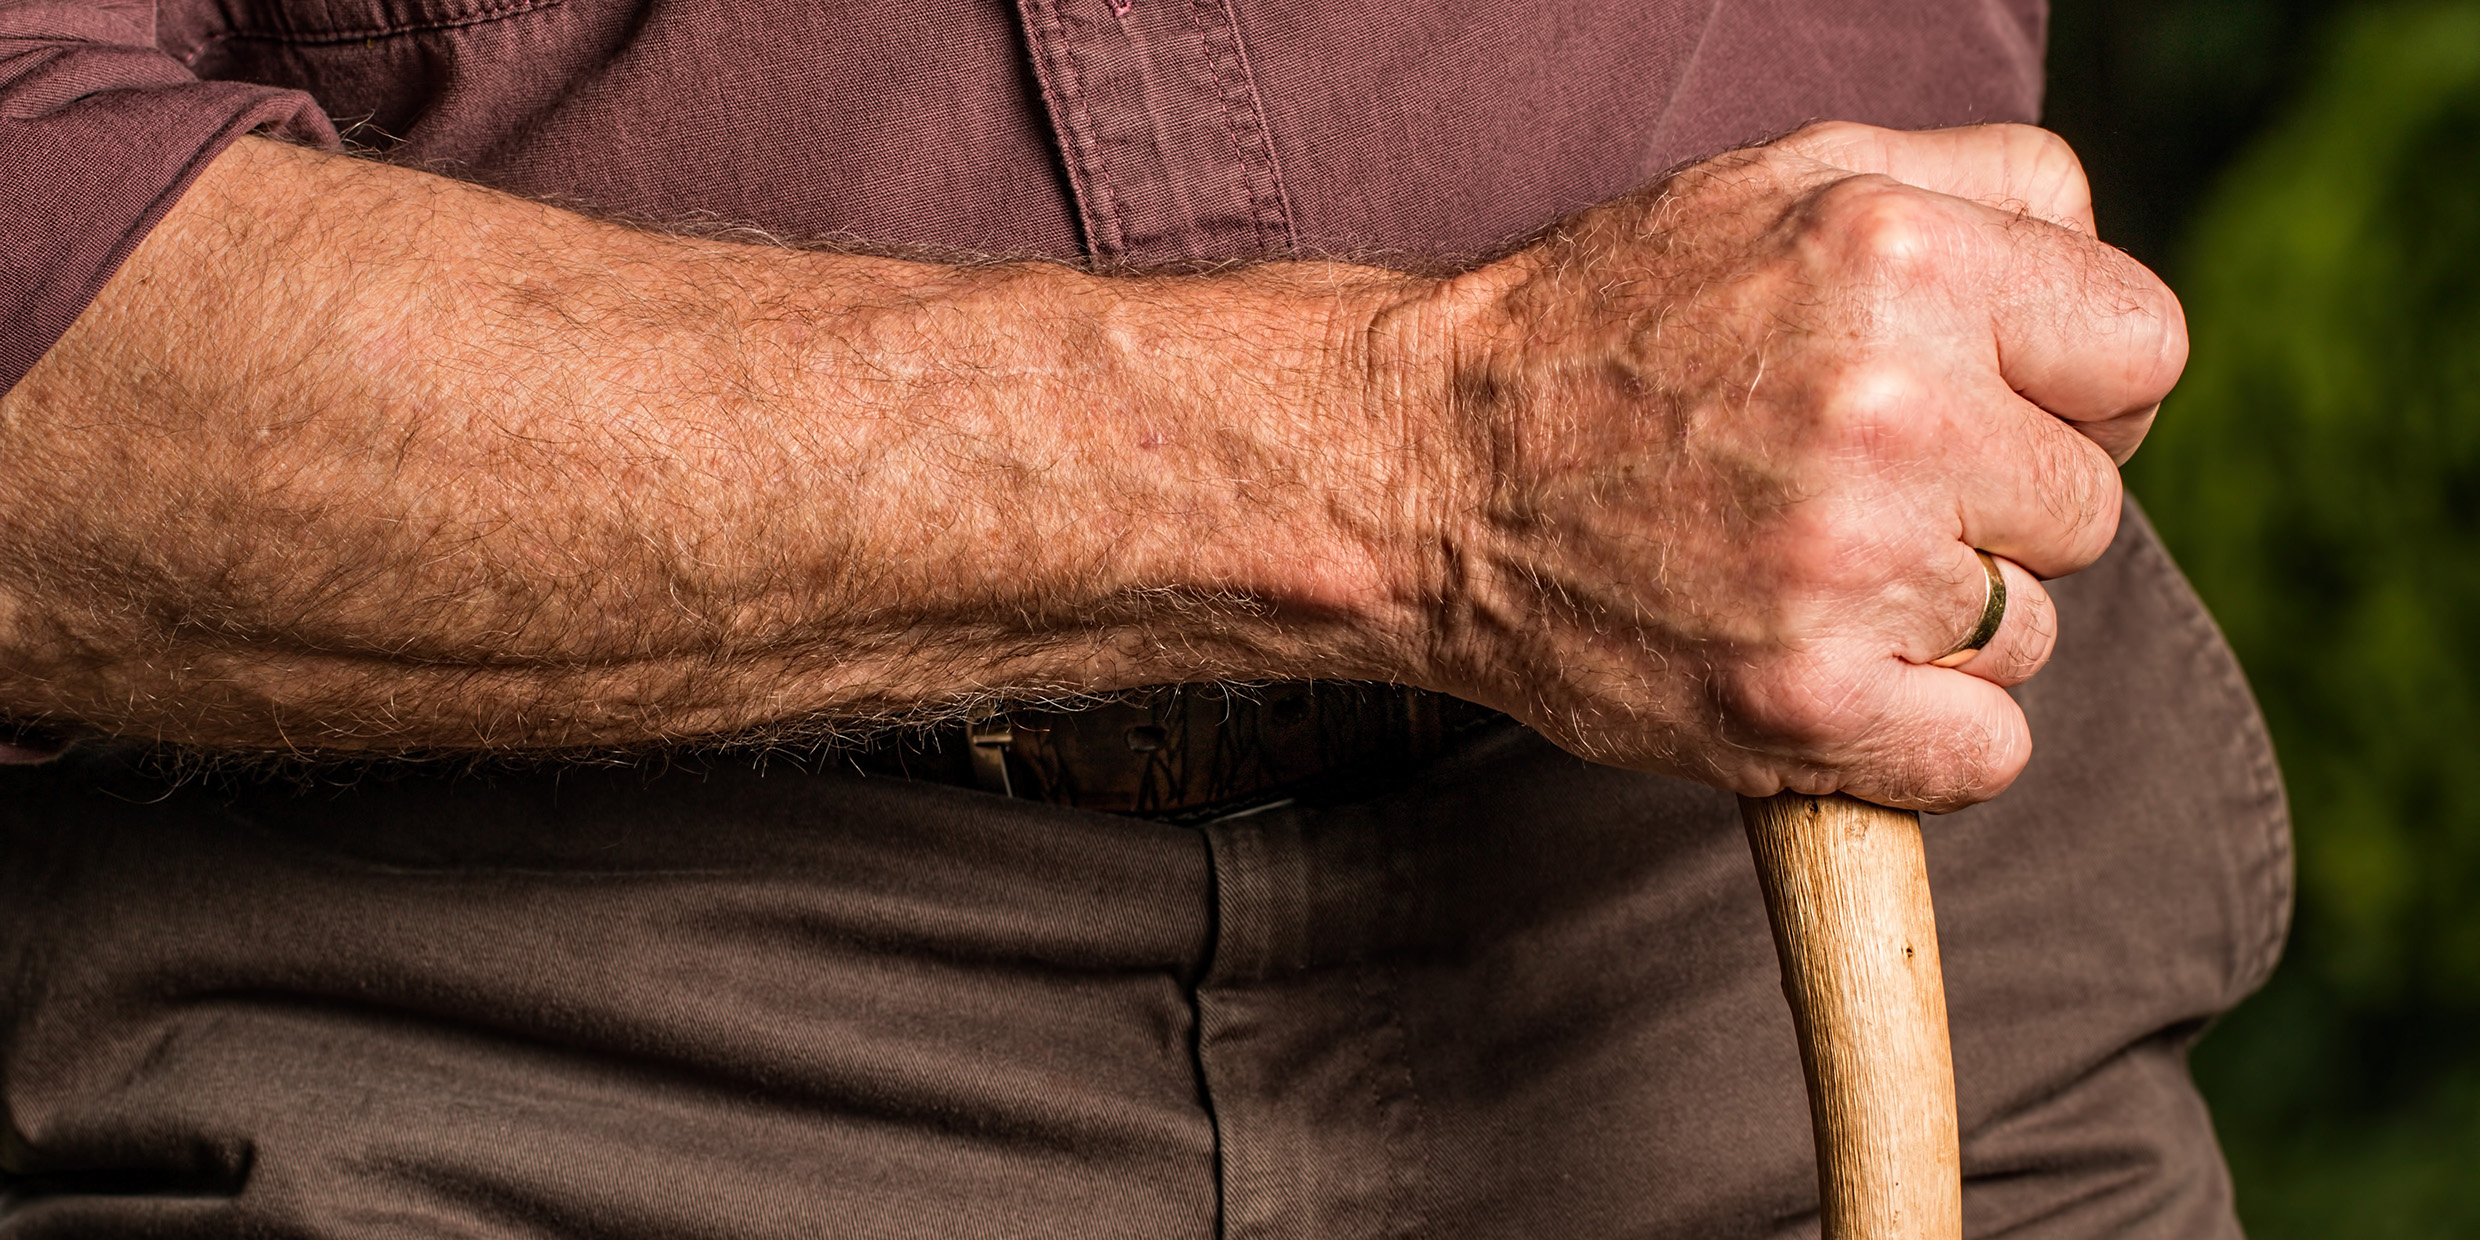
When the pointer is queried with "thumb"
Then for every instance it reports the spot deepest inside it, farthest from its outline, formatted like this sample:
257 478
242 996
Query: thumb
2009 167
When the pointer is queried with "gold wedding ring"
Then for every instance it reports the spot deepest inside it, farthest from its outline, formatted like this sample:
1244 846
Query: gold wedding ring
1993 614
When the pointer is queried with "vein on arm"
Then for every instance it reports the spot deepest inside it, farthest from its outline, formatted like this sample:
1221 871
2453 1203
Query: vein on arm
354 457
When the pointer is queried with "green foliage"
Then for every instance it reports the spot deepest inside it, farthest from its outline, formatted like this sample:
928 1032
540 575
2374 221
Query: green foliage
2318 473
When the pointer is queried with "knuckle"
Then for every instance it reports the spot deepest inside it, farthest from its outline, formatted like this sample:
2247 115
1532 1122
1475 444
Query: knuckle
2042 148
1875 407
1881 225
2080 487
2003 755
1971 759
2138 324
1822 138
2036 622
2052 152
2046 176
2100 517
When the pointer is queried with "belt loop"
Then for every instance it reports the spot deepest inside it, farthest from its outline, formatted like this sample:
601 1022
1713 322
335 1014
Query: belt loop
991 737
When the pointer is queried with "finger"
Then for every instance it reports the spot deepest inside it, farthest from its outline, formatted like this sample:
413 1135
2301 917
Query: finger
1967 741
1941 742
2029 487
2027 631
2081 329
2014 168
2076 327
1980 466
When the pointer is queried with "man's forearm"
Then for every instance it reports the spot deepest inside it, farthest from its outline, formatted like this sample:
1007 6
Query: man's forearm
349 456
1699 482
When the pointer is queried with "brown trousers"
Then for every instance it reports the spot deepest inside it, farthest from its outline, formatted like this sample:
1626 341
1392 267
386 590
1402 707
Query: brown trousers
1514 996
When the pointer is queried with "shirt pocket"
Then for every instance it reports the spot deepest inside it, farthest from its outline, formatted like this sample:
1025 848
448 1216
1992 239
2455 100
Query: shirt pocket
348 21
379 67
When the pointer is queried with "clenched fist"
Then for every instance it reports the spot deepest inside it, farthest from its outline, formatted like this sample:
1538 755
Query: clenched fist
1713 461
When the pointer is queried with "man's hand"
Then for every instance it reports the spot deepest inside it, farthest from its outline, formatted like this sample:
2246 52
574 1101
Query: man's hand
1729 445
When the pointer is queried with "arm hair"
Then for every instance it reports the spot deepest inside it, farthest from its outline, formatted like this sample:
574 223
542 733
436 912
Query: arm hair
353 457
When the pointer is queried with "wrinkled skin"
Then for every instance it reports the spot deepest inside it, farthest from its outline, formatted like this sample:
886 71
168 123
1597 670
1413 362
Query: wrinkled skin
1733 441
356 458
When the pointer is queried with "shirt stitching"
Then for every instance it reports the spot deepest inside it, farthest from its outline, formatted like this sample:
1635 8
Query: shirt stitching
1244 122
1090 175
490 12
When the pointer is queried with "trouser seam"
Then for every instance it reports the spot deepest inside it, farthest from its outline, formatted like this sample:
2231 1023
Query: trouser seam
1194 991
1378 987
1406 1151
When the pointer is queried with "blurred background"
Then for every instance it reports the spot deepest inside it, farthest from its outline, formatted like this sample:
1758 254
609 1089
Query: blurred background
2307 175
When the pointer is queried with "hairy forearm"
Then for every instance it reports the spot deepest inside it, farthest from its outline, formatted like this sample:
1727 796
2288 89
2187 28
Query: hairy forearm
1702 481
354 457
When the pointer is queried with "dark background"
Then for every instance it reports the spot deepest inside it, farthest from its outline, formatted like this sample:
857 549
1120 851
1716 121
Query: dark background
2307 175
2160 96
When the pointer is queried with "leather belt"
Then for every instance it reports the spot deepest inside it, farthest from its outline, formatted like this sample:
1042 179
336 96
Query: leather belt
1186 752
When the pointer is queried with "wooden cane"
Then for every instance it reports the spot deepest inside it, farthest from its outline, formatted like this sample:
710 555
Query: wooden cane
1847 889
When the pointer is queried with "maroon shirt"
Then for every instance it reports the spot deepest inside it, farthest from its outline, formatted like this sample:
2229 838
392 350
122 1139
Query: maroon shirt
1130 131
1524 997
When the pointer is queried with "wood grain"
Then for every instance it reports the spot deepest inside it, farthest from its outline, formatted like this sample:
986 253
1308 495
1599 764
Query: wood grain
1847 889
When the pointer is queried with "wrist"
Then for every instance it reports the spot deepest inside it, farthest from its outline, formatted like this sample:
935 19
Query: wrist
1432 364
1346 535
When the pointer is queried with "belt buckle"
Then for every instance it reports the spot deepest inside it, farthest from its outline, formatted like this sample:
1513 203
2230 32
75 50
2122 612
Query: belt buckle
989 739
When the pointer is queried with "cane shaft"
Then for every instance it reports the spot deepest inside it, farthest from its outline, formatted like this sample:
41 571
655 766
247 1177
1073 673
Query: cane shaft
1847 889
